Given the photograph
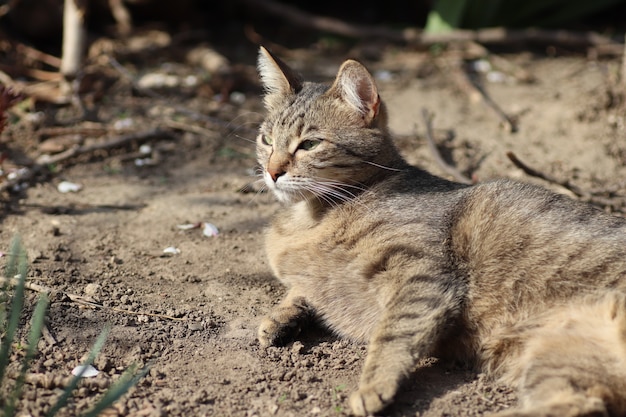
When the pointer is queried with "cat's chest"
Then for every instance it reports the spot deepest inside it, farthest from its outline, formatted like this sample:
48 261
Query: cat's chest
328 264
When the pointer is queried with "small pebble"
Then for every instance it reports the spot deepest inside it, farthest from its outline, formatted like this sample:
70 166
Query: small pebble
92 289
194 327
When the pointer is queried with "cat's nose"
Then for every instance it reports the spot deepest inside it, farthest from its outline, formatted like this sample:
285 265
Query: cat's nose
275 172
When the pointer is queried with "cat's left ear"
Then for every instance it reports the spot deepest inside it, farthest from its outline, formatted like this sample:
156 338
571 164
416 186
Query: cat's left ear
356 86
278 79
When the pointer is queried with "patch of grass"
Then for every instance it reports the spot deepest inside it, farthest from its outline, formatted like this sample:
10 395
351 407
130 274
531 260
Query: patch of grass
11 310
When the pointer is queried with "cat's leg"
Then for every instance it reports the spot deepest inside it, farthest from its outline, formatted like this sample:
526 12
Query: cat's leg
412 324
557 398
575 364
283 322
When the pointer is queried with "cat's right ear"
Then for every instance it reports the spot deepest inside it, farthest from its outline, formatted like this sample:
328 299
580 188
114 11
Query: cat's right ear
355 85
277 78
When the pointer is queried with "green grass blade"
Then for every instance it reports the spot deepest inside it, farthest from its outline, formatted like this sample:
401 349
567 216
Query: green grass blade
445 15
128 379
17 263
95 350
37 321
15 250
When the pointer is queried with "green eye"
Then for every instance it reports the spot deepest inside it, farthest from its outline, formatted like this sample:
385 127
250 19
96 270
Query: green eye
267 140
307 145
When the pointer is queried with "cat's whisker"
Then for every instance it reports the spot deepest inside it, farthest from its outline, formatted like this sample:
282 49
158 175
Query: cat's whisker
330 189
339 190
242 115
382 166
332 193
245 139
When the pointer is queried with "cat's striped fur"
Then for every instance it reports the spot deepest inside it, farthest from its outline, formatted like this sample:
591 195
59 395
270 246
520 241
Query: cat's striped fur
527 284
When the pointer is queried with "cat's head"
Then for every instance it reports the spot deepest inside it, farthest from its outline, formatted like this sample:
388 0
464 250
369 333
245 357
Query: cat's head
321 142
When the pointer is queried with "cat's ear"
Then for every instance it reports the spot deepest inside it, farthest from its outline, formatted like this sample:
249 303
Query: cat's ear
356 86
277 78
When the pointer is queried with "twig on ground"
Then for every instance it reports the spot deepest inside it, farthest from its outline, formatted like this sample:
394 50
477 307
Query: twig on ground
115 142
26 174
301 18
38 55
122 16
616 203
546 177
48 336
82 300
477 93
54 380
41 75
505 65
428 122
72 130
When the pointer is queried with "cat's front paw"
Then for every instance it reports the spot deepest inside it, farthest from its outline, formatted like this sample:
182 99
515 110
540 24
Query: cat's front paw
370 400
273 333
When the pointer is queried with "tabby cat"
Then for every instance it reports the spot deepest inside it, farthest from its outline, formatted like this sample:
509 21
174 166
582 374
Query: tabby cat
528 285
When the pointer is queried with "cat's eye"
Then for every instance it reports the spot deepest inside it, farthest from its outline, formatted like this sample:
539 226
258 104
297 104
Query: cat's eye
266 140
309 144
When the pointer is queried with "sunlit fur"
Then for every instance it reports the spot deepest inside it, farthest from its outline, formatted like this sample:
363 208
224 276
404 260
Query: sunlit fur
524 284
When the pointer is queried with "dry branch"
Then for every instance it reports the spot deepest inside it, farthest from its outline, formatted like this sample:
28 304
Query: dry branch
53 380
115 142
614 203
122 16
455 173
26 174
73 38
300 18
38 55
82 300
476 92
417 37
542 175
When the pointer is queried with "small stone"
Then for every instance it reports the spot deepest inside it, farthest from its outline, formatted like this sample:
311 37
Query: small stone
92 289
194 327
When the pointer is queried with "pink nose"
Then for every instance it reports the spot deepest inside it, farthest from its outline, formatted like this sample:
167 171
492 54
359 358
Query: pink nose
275 172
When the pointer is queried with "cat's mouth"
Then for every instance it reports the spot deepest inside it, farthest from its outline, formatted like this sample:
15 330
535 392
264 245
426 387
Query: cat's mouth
287 189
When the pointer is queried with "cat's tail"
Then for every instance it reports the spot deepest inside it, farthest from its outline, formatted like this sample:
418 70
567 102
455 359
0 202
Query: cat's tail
571 360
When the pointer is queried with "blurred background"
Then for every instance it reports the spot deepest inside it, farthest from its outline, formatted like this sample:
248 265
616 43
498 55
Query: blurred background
40 22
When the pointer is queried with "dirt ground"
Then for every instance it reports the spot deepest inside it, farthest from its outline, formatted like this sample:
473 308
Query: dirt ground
192 315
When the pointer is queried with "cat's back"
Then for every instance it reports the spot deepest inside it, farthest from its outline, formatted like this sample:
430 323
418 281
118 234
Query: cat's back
522 247
507 218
